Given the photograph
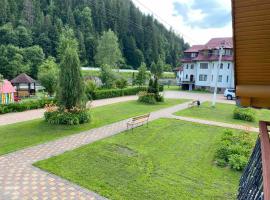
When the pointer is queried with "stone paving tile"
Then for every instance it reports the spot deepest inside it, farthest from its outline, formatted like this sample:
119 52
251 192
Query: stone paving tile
20 180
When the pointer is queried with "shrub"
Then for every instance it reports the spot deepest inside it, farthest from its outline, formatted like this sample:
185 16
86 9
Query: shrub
90 89
72 117
246 114
25 105
148 98
238 162
110 93
234 150
121 83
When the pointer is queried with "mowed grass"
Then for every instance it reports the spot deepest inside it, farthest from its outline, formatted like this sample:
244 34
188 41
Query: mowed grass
172 88
222 113
17 136
171 159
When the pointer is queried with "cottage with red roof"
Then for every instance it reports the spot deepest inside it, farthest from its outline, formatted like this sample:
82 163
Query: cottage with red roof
200 66
7 92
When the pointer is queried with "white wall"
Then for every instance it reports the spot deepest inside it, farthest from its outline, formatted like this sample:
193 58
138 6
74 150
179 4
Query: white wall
210 71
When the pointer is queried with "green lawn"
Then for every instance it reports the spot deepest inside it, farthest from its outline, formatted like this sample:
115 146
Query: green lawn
172 88
171 159
17 136
222 113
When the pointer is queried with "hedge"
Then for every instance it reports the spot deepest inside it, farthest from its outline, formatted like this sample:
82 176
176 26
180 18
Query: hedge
25 105
111 93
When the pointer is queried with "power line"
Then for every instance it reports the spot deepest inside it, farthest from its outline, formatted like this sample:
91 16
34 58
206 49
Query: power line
158 17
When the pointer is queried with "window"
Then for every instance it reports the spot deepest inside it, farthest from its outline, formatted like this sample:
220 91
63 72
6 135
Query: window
192 66
193 55
221 66
229 65
202 77
204 66
212 77
227 79
187 66
186 76
220 78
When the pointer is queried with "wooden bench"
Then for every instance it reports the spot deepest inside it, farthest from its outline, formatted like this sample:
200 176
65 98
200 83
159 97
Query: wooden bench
193 103
139 120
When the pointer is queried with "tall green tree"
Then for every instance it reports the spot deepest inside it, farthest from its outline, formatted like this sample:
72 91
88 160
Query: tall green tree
108 50
48 75
71 84
142 75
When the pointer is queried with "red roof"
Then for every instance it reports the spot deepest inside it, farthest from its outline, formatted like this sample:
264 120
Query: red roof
6 87
215 43
195 48
201 57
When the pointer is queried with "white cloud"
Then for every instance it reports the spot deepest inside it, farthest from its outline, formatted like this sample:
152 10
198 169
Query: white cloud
192 33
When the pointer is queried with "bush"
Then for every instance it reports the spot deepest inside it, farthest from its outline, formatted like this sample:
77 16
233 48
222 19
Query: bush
148 98
234 150
245 114
121 83
25 105
110 93
90 89
72 117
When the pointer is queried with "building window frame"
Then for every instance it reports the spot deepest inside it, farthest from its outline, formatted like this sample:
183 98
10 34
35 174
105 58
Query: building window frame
203 65
203 77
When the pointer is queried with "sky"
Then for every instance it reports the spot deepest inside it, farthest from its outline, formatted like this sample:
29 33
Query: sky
196 20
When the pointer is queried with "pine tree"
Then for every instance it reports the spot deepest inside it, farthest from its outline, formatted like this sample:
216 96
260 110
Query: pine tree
71 85
142 75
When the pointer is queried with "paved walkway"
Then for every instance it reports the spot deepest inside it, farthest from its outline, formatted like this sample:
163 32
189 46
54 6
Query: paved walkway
12 118
20 180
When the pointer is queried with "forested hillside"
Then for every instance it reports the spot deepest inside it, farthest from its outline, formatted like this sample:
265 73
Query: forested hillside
30 30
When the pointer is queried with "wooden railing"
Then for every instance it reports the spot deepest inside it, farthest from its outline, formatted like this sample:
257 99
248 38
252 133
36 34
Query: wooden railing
255 181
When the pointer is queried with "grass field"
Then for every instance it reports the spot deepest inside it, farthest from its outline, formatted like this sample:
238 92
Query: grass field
169 160
17 136
222 113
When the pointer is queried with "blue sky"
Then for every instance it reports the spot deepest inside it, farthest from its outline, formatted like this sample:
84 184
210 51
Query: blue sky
196 20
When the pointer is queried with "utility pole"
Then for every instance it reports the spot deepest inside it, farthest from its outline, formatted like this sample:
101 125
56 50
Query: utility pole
221 49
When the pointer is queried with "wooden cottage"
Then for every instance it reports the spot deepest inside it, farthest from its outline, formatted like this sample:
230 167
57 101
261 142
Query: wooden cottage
7 92
25 85
251 28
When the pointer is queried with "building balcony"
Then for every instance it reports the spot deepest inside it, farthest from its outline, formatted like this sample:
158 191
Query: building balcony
255 181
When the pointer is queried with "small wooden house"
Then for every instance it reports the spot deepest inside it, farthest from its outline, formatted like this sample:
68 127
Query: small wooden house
7 92
25 85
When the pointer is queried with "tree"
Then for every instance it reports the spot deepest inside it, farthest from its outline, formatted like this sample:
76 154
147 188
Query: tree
108 51
159 68
142 75
23 36
107 76
12 62
71 85
34 56
48 75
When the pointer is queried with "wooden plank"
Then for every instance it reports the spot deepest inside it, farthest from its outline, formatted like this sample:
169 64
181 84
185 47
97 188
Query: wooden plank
245 3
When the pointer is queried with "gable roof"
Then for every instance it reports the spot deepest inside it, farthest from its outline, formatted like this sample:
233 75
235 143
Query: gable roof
195 49
6 87
23 78
215 43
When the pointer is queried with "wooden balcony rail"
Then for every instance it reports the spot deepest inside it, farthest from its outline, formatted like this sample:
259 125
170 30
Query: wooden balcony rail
255 181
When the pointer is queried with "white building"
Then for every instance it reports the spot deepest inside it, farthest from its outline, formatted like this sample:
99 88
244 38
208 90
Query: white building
200 66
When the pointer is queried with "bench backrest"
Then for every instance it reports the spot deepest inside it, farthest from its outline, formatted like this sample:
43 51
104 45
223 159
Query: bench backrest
141 117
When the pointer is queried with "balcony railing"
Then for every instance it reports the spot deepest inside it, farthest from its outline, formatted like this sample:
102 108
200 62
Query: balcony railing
255 181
